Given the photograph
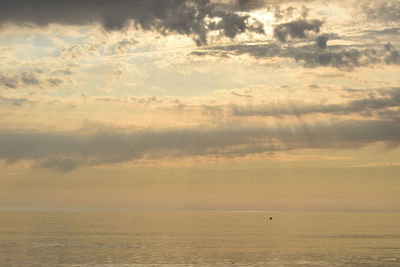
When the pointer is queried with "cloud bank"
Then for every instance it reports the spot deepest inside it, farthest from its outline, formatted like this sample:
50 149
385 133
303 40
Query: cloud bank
188 17
67 150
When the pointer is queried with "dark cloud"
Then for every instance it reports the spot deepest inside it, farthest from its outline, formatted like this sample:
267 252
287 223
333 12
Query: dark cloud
52 148
241 95
258 51
392 56
345 58
54 82
389 113
25 78
67 150
251 4
61 164
64 71
188 17
14 101
390 99
9 81
388 10
322 41
311 56
296 29
28 79
388 31
232 24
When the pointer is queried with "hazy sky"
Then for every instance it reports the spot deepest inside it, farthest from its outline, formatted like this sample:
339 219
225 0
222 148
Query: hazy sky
180 104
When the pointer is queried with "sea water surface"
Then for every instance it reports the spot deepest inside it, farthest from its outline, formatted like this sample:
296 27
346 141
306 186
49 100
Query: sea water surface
201 238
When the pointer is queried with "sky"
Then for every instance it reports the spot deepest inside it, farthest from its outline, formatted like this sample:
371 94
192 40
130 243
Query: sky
204 105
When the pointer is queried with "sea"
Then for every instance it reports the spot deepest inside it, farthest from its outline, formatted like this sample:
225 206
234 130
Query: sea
199 238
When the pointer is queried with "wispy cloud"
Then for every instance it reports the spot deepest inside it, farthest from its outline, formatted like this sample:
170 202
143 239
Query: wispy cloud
390 99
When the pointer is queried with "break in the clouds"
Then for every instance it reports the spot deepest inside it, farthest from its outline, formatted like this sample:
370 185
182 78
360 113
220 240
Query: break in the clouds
188 17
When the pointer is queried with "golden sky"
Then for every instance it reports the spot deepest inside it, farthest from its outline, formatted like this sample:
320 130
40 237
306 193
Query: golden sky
180 104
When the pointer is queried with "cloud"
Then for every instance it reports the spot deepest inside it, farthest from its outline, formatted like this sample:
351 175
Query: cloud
188 17
387 31
322 41
9 81
392 56
268 50
63 71
311 56
123 46
346 58
250 4
73 148
67 150
283 11
232 24
390 99
387 10
25 78
61 164
296 29
280 13
15 101
78 51
28 79
55 82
